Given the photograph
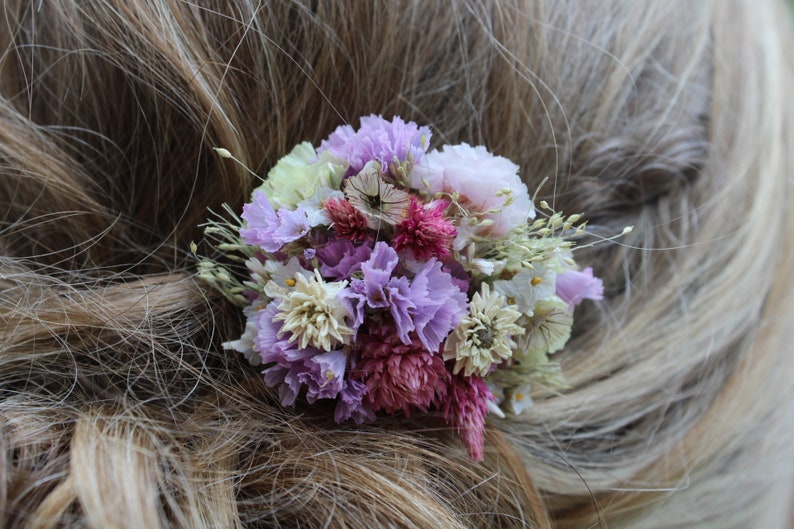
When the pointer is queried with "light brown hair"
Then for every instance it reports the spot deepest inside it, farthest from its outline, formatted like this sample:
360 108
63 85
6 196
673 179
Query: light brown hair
119 407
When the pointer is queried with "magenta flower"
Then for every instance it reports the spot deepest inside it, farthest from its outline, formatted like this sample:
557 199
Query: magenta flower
401 377
465 408
390 143
573 287
270 229
347 221
425 232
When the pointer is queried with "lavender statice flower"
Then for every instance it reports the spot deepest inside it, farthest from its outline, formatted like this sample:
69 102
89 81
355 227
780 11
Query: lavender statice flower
351 405
324 376
440 304
340 258
270 229
390 143
287 375
430 305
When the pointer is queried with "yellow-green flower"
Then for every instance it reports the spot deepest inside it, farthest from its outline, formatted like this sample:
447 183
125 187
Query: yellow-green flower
547 330
301 175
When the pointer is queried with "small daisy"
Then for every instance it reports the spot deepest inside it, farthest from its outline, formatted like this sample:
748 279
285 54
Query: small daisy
518 399
484 336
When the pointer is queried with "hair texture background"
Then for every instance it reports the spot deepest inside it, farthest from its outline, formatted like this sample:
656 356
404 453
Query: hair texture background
118 407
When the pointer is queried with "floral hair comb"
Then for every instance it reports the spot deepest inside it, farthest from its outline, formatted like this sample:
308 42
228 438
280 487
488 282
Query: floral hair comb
392 280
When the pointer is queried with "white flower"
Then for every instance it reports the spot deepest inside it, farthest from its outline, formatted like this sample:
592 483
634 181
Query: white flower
257 270
518 399
528 287
483 337
284 275
315 205
312 312
245 344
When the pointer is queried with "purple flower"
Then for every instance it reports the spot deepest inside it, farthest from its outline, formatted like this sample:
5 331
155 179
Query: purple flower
269 229
377 272
573 287
287 376
440 304
431 304
271 348
324 377
384 291
340 258
351 405
292 368
354 299
390 143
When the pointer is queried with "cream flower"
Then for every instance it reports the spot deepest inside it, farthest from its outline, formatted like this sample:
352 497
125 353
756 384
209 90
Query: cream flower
483 337
312 311
377 199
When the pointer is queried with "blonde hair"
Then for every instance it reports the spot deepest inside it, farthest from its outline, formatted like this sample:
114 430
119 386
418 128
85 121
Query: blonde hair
120 409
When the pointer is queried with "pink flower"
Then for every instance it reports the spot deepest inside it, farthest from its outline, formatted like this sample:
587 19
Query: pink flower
481 179
347 221
425 231
399 376
465 409
573 287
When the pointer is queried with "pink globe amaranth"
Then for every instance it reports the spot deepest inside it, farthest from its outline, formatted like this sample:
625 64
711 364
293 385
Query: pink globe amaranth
346 220
425 232
401 377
